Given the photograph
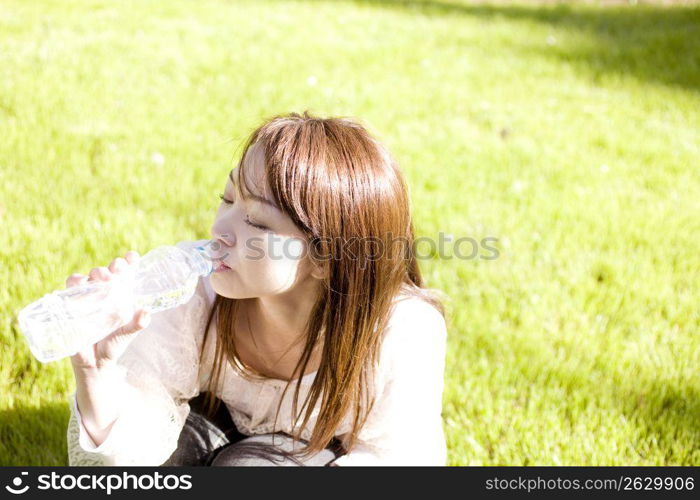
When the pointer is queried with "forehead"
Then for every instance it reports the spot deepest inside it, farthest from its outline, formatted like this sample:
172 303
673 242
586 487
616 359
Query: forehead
254 183
252 169
254 165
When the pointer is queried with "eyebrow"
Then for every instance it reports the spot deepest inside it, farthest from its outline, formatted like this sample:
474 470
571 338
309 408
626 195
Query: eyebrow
253 196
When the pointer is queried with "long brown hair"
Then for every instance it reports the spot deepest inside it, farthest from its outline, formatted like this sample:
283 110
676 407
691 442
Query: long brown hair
343 189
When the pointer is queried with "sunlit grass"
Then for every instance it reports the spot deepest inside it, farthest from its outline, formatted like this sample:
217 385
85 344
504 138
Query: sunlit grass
571 134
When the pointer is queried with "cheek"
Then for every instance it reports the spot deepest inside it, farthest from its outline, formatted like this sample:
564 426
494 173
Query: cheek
278 258
271 247
291 249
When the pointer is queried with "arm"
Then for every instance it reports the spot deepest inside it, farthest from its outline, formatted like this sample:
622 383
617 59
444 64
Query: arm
95 396
405 424
136 415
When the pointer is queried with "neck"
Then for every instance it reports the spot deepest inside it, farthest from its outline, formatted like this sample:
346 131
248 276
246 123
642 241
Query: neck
280 320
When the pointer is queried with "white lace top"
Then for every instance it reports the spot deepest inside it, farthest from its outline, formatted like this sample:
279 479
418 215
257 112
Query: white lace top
161 370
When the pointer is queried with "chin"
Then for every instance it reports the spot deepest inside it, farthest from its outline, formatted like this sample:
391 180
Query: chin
224 288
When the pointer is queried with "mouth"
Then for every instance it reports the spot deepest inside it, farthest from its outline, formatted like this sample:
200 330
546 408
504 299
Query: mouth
222 267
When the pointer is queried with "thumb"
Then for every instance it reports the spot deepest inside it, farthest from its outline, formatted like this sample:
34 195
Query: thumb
143 319
115 344
139 321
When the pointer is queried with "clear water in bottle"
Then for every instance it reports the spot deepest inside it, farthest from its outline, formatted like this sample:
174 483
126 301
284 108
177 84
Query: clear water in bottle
66 321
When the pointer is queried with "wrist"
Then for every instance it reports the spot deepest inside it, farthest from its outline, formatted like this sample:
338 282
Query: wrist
86 371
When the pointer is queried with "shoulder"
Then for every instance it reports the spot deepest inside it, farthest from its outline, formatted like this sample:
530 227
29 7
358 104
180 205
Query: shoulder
414 327
411 315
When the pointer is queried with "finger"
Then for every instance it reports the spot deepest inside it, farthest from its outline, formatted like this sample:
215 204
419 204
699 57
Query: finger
140 321
132 256
100 273
118 265
75 279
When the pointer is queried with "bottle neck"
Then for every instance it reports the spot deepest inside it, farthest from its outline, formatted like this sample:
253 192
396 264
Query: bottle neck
198 256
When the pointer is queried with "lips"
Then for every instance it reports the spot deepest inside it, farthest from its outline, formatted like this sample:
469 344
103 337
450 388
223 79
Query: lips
222 266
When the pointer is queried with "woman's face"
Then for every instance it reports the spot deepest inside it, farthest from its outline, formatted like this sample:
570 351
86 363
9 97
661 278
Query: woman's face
266 252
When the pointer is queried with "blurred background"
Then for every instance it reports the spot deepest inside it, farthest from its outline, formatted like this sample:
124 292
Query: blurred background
568 131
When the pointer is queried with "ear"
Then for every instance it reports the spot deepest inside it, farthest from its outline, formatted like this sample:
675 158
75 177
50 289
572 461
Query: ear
318 270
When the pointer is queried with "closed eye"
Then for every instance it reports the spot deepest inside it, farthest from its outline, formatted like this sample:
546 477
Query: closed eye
256 226
246 220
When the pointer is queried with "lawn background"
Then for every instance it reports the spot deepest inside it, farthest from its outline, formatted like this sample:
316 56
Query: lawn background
569 132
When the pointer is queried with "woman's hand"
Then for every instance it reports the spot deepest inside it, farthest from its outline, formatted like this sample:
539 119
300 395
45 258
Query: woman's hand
105 352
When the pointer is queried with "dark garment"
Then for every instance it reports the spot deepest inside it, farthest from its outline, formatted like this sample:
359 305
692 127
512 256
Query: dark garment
216 442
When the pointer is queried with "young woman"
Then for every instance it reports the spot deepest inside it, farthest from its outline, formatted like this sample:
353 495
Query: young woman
315 331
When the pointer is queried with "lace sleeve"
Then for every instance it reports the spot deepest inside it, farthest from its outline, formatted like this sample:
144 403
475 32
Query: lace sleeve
404 426
158 374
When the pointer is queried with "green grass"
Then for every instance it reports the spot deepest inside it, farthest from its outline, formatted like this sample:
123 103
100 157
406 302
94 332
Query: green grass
572 134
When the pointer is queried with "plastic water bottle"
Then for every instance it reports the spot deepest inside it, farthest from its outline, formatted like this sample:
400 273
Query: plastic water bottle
64 322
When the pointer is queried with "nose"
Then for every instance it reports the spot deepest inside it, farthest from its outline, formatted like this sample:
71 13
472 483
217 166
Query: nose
222 236
225 239
220 245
